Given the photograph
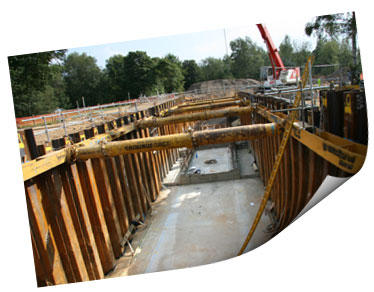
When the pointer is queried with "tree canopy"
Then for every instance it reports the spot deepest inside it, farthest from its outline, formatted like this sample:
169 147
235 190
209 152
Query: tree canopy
214 68
82 78
191 73
169 74
247 58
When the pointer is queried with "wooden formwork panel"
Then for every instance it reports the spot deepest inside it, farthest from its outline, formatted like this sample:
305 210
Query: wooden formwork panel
300 174
80 212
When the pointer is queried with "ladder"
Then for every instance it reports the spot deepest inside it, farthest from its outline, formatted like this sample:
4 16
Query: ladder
286 134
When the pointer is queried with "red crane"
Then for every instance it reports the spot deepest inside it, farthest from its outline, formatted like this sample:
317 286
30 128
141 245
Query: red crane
279 72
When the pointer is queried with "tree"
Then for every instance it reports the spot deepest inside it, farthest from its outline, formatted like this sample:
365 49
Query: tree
168 73
139 75
174 59
336 25
326 52
191 73
213 69
53 96
286 52
115 72
82 77
247 58
301 53
103 88
30 75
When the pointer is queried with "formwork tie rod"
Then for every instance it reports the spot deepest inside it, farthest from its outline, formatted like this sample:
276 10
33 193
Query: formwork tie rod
189 140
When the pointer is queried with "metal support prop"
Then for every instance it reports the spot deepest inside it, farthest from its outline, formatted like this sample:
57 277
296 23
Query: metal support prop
206 115
311 95
302 105
189 140
289 123
46 129
64 124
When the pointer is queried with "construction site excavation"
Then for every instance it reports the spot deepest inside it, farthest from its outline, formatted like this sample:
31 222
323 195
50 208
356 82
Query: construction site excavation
182 180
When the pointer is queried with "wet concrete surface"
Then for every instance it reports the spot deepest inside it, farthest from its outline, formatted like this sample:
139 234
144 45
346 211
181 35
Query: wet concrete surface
194 225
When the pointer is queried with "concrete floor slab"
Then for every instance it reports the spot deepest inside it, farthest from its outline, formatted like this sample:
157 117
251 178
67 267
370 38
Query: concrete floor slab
221 155
197 224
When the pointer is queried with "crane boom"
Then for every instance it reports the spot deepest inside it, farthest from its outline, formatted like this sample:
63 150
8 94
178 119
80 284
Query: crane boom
280 75
275 59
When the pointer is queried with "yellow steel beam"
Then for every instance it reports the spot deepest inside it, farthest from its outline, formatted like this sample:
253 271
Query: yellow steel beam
206 115
176 110
207 101
190 140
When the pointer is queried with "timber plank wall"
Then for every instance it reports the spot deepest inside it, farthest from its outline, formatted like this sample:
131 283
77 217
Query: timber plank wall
80 212
302 171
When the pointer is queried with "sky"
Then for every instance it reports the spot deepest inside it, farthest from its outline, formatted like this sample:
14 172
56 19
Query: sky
200 45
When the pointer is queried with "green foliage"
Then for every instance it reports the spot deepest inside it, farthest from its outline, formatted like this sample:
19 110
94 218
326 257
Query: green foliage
333 25
138 71
292 54
82 77
286 51
30 74
214 68
115 74
169 75
326 52
53 96
191 73
301 54
247 58
336 26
